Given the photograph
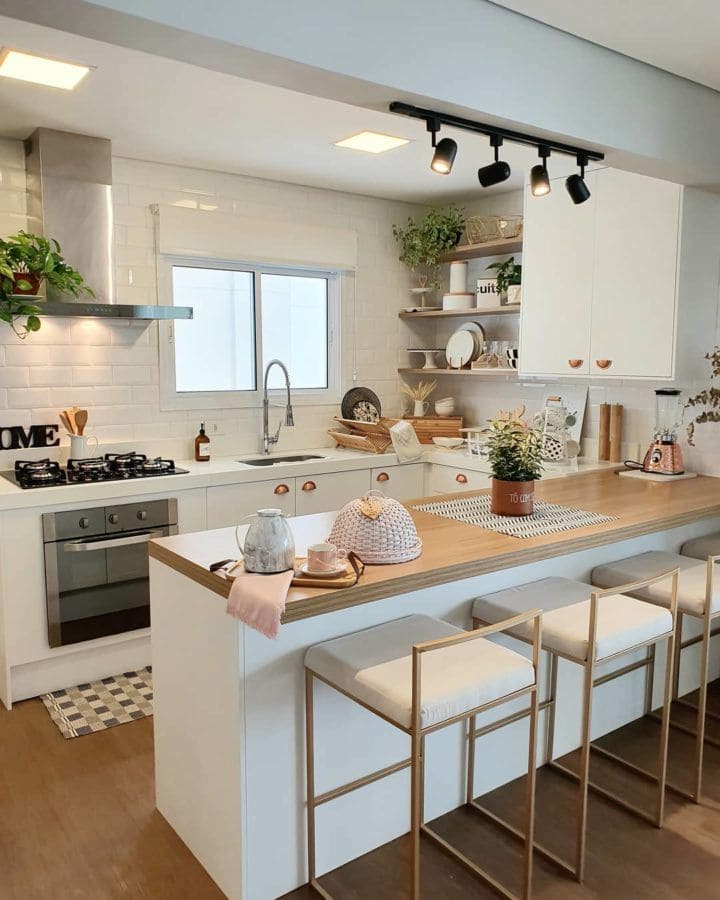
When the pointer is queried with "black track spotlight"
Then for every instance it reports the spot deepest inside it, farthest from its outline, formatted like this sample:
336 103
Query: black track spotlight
497 171
575 184
539 179
444 156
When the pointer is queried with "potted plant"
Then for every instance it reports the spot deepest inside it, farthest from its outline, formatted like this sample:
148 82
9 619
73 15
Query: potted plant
515 456
422 243
708 400
26 261
507 279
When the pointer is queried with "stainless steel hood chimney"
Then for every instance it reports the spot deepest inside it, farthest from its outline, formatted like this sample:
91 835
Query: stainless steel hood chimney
69 179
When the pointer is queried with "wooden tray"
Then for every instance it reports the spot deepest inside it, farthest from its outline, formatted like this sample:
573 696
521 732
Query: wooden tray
428 427
381 427
368 443
299 580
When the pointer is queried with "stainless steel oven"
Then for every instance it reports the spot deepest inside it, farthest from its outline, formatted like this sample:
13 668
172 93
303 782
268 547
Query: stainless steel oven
96 568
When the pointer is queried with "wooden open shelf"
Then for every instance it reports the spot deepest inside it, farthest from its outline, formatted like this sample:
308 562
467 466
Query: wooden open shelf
477 251
478 373
462 313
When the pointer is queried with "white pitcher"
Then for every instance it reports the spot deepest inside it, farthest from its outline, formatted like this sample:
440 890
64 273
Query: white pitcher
269 545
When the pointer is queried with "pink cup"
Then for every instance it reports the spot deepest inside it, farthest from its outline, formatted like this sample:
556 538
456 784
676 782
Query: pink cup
325 557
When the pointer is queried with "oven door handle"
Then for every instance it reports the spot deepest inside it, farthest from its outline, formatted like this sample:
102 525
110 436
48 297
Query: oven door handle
112 543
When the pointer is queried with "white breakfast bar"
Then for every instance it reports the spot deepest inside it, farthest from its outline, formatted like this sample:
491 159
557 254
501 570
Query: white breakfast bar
229 713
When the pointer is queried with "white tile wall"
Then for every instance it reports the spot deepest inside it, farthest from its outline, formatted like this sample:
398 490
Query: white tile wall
112 368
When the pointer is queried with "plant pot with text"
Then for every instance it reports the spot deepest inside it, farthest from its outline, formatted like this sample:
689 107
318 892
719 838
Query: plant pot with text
512 498
515 456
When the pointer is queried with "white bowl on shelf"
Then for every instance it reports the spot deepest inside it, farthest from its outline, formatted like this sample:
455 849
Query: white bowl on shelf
448 443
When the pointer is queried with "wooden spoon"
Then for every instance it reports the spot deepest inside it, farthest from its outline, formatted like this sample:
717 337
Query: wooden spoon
81 417
70 413
66 422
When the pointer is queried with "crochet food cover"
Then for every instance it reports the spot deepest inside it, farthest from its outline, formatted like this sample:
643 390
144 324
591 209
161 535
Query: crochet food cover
379 529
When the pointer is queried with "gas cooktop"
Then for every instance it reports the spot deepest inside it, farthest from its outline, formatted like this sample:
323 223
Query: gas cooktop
111 467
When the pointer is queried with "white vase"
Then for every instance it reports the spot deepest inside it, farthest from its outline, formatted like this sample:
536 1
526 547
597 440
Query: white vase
420 408
458 277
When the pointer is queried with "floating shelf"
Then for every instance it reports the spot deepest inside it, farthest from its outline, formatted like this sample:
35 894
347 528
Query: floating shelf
477 251
478 373
462 313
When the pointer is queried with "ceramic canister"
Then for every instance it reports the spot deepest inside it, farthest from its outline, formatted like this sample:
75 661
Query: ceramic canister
458 277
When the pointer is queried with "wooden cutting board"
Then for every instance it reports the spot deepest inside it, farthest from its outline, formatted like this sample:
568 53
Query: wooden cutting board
300 580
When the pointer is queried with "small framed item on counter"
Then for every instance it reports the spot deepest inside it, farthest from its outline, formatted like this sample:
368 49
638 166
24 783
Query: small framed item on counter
486 293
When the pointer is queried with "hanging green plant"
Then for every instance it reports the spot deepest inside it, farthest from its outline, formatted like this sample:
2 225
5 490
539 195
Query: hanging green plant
422 243
708 399
26 261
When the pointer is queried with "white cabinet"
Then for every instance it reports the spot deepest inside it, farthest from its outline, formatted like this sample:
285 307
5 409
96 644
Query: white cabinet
635 276
401 482
600 286
447 480
325 493
230 504
557 283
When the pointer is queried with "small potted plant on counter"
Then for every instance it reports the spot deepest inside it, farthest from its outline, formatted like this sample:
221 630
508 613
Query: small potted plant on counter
26 261
422 243
515 455
507 279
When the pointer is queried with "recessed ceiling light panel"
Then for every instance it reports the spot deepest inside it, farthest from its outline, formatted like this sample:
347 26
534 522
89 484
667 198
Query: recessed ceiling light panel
372 142
41 70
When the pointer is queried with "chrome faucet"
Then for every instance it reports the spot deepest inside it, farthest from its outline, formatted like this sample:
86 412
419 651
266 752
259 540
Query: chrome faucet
267 439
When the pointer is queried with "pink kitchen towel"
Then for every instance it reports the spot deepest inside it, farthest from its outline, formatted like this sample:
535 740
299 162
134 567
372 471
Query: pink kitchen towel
259 600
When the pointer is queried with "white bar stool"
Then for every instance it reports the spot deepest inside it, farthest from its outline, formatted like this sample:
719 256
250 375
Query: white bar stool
698 596
589 627
702 547
421 674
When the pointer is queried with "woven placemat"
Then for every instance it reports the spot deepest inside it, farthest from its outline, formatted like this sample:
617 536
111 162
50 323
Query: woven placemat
97 705
548 518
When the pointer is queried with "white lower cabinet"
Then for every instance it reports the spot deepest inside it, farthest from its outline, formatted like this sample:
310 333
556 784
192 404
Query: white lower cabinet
325 493
401 482
230 504
447 479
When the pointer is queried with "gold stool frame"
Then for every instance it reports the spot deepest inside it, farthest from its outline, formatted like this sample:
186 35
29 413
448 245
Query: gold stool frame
416 762
577 869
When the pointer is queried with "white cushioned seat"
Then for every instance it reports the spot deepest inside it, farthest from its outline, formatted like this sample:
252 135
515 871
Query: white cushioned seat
692 581
623 622
375 666
702 547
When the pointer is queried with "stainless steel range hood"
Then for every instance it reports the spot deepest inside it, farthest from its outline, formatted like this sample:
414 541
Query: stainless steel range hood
69 179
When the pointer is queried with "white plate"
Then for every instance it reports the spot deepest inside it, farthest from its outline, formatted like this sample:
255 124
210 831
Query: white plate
460 348
478 331
340 570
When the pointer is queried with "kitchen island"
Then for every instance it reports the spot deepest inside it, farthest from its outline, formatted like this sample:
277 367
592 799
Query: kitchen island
229 703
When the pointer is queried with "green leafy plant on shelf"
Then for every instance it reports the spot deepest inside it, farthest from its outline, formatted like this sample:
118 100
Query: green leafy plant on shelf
423 242
26 262
707 400
506 273
514 450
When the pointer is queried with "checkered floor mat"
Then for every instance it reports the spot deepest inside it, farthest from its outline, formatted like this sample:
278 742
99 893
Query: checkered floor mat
101 704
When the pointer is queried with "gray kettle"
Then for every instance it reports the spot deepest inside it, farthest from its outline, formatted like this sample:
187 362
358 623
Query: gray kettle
269 546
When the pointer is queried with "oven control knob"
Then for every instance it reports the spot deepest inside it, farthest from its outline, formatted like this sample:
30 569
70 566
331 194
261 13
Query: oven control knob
84 522
142 515
113 518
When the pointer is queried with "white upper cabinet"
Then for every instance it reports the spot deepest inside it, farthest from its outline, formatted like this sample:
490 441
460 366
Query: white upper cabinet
635 276
558 252
600 282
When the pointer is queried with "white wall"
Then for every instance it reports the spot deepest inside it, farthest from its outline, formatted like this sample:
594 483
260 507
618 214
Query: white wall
112 368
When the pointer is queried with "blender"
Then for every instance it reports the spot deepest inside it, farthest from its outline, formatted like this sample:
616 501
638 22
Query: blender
664 455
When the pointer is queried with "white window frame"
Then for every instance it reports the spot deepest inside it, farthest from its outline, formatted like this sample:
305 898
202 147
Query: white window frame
171 399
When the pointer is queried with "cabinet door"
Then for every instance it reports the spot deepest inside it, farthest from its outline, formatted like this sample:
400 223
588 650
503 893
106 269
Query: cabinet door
401 482
447 480
635 290
230 504
325 493
557 282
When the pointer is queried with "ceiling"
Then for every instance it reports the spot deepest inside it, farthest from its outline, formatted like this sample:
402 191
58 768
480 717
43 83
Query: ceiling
679 37
162 110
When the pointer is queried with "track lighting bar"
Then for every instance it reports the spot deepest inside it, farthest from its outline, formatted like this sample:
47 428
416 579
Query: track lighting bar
517 137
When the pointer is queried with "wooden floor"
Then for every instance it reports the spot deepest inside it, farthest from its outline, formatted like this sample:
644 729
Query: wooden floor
77 821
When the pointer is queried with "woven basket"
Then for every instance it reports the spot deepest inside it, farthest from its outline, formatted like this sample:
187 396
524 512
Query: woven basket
379 529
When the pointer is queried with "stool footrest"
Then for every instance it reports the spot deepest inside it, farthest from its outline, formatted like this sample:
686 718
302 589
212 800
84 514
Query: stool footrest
688 729
361 782
315 885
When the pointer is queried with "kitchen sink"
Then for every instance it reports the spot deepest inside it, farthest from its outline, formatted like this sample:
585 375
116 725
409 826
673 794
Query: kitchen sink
272 460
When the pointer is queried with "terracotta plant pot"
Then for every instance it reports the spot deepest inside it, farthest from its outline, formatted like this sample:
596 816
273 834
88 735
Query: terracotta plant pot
512 498
31 278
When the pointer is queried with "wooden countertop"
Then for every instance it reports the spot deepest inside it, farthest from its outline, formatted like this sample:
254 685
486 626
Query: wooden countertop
453 550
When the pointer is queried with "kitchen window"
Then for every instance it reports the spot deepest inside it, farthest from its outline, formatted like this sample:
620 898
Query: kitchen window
244 316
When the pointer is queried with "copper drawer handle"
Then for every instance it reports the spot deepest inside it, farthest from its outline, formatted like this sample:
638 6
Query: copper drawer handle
383 476
309 486
575 363
603 363
461 479
282 489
